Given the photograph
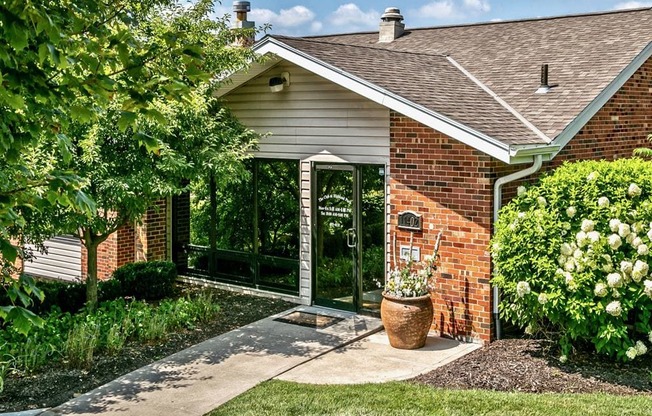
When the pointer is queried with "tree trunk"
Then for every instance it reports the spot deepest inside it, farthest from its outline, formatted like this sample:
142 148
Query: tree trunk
91 275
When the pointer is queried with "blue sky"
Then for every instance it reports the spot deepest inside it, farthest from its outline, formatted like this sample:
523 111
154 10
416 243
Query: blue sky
310 17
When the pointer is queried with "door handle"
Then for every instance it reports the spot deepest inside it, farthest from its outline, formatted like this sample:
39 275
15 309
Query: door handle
351 238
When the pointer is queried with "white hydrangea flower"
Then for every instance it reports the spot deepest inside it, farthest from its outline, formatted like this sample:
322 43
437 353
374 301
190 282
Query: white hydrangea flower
566 249
640 270
563 359
522 288
542 201
496 247
603 202
630 238
571 211
624 230
594 236
592 176
614 280
636 242
543 298
640 348
614 241
631 353
614 308
614 223
637 227
561 260
569 266
520 190
633 190
649 336
568 278
626 266
587 225
521 215
647 288
582 238
600 290
643 250
649 234
578 254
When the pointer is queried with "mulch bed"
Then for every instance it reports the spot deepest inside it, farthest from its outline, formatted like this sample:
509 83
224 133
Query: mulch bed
533 366
54 385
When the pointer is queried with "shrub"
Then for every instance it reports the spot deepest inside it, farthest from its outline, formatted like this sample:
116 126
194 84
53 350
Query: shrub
151 280
572 256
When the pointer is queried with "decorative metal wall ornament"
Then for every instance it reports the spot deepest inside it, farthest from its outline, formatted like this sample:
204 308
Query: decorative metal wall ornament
409 220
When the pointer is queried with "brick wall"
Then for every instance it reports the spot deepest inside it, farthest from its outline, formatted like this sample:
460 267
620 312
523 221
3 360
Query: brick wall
151 235
450 185
181 230
106 258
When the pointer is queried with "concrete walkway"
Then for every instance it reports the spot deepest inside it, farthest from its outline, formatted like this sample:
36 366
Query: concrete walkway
200 378
373 360
205 376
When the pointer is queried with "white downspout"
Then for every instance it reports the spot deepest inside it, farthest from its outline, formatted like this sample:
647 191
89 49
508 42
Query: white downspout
498 194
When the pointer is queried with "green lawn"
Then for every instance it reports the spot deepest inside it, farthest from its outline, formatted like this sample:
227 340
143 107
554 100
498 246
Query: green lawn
283 398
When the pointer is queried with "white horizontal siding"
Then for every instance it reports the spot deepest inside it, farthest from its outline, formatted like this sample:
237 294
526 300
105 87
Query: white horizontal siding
312 119
62 261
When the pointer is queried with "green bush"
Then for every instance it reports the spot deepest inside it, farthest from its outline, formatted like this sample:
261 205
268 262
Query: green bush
572 256
151 280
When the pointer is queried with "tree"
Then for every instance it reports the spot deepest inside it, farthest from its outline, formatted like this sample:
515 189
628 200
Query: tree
65 62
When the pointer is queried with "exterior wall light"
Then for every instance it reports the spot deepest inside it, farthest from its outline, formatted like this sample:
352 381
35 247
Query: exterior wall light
276 84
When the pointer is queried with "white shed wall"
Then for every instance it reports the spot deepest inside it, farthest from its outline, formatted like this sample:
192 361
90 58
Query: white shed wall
62 261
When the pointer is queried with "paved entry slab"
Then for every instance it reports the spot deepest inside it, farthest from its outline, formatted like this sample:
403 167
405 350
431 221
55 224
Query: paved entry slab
373 360
198 379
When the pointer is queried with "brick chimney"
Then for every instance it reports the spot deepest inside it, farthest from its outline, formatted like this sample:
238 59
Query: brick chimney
390 25
240 9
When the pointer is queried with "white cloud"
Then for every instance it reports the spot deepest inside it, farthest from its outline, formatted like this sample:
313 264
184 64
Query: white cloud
451 9
477 5
287 18
444 9
632 5
351 17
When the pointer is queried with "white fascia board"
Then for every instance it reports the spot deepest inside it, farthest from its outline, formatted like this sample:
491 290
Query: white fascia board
605 95
441 123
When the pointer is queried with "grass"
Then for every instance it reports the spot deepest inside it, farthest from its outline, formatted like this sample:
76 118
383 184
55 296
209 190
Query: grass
400 398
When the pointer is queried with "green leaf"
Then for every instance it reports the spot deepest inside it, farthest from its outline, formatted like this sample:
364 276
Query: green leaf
9 252
127 119
22 319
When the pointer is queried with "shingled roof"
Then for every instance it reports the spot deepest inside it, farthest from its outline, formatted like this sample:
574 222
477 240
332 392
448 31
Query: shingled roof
485 76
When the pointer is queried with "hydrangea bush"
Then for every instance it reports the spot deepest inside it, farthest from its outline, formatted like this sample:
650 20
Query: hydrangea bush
572 256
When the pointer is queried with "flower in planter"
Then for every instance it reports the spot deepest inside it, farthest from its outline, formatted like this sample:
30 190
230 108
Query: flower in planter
413 279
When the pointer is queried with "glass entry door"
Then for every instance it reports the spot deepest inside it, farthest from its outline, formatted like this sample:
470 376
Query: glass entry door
348 235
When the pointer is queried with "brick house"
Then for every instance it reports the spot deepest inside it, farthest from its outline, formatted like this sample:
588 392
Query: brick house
442 124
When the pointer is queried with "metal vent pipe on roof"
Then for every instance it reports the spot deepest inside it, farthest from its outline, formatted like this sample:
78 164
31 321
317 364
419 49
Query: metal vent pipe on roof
544 87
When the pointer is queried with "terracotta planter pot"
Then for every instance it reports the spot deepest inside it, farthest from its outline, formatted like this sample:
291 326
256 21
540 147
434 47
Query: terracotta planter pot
406 320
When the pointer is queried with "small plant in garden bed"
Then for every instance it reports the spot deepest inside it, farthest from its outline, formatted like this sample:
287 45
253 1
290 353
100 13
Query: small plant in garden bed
75 339
572 256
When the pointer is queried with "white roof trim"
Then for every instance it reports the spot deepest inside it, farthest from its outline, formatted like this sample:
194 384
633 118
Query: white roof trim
605 95
500 101
465 134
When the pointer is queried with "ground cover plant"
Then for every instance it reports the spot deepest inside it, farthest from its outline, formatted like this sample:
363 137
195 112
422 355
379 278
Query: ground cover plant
571 255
